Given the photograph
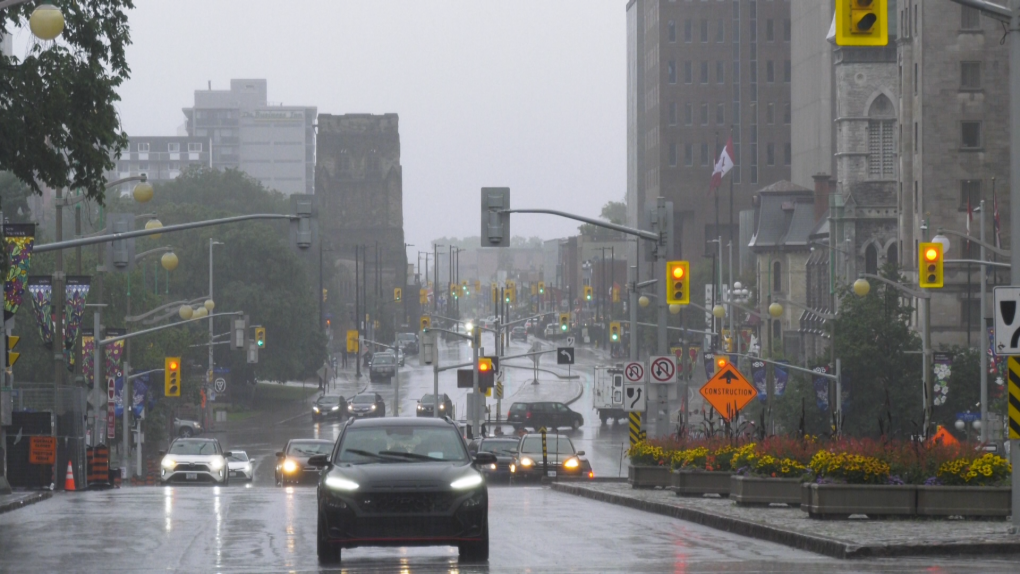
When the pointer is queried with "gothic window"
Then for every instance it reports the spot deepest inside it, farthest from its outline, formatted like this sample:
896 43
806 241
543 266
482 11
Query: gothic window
871 260
881 143
892 255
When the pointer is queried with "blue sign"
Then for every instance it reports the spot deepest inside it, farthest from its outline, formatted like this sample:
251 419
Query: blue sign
968 417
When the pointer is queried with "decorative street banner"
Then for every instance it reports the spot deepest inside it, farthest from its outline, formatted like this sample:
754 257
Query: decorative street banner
88 364
40 289
821 386
996 363
76 289
692 353
782 375
709 364
745 339
114 368
758 378
943 369
19 239
139 389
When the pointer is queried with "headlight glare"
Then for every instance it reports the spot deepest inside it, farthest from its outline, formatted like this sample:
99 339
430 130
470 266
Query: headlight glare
216 463
571 463
169 463
373 407
289 466
315 409
338 483
527 462
469 481
336 408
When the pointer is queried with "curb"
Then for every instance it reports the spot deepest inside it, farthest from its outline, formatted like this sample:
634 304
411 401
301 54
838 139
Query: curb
580 393
36 497
801 541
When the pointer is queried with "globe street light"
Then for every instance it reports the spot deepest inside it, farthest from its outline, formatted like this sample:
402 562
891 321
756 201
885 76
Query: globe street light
718 311
675 309
154 224
209 305
186 312
862 287
643 301
943 240
46 22
142 192
775 310
169 261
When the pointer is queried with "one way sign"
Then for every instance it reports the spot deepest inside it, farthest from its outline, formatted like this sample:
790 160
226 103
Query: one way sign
564 355
634 398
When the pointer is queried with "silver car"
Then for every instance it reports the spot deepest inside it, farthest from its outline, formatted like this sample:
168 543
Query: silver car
195 460
240 466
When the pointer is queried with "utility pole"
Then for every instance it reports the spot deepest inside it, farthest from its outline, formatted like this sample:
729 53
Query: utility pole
357 308
984 328
209 377
1014 205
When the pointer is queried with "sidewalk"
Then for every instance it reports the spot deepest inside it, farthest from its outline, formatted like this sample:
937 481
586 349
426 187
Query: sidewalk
792 527
9 502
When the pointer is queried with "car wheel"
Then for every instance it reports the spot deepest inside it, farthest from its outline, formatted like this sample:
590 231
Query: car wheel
604 419
475 551
328 553
185 432
576 424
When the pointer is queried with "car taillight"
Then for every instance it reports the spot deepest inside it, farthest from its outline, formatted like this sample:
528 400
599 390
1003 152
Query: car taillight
527 415
591 474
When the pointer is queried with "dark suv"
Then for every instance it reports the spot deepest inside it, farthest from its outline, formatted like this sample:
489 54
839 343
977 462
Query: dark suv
545 414
402 482
427 405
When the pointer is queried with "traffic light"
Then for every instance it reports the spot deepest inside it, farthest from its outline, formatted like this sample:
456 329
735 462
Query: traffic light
495 293
614 331
930 258
495 217
677 274
588 293
511 293
260 337
720 363
541 287
172 376
426 322
534 289
484 365
397 294
423 296
564 322
862 23
464 288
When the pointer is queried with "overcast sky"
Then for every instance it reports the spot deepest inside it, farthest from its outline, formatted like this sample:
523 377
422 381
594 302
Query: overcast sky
528 94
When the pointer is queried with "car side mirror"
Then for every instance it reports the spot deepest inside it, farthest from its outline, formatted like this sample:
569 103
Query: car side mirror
318 461
580 453
485 458
280 455
226 454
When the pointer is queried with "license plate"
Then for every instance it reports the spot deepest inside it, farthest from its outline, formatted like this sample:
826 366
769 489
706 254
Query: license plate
191 476
236 473
551 473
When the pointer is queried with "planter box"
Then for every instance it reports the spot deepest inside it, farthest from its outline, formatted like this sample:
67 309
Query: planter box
966 501
699 482
874 500
649 476
753 490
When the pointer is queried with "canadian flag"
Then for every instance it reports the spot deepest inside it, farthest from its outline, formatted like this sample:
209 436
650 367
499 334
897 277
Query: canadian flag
722 166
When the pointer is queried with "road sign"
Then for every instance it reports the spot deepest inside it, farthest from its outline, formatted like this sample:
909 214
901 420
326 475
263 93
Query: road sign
42 450
728 391
636 434
564 355
1007 320
634 372
1014 398
220 384
570 341
968 417
499 389
12 357
635 398
662 369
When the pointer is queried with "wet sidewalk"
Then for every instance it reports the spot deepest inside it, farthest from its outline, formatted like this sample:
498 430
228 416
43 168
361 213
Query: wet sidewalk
791 526
18 499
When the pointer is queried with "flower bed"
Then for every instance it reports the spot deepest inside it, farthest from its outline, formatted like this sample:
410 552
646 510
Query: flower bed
839 501
647 476
758 491
695 482
650 464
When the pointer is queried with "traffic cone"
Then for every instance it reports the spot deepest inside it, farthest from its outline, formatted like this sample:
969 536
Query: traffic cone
69 479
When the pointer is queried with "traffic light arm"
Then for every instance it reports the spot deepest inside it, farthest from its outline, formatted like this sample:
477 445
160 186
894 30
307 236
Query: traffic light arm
109 340
448 332
830 376
988 246
1000 13
596 222
904 288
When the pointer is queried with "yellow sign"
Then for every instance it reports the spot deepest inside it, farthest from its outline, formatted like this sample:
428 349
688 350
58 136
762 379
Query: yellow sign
728 391
352 341
636 434
397 294
12 357
1014 398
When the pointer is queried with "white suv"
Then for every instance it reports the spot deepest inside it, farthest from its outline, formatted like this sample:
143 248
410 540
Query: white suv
195 460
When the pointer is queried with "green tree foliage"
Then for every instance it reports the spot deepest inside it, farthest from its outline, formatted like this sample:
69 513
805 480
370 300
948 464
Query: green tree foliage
58 121
613 212
14 198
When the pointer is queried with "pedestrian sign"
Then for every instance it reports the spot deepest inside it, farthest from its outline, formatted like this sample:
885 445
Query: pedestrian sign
663 369
728 391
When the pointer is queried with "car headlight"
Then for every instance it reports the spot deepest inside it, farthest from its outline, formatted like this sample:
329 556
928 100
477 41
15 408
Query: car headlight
169 463
315 409
571 463
337 483
469 481
419 407
527 462
373 407
216 463
492 467
441 407
289 466
336 408
350 407
513 468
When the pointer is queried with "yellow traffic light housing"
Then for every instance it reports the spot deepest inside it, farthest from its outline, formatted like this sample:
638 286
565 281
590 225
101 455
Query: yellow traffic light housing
564 322
426 322
588 293
260 337
423 296
614 331
862 23
677 279
397 294
172 376
484 365
930 262
541 287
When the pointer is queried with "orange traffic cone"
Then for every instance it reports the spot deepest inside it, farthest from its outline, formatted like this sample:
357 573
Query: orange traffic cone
69 479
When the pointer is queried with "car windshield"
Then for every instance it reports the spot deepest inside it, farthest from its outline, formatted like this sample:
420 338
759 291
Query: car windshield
430 399
401 443
406 337
194 447
310 448
498 446
554 444
364 399
519 407
238 457
328 401
384 359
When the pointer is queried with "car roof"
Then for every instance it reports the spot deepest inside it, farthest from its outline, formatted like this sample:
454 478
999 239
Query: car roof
312 440
368 394
196 439
401 421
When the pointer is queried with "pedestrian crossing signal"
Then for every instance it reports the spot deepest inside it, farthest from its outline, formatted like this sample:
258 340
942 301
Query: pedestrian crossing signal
172 376
930 259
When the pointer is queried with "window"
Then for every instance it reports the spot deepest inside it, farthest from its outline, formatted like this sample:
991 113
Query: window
770 154
970 75
754 72
704 31
769 32
672 31
671 72
704 72
786 113
720 32
787 154
736 113
143 147
194 147
688 155
770 72
892 254
881 149
143 166
787 71
970 18
871 259
770 113
173 147
688 114
174 166
970 189
688 73
736 72
720 73
704 114
786 30
777 276
970 135
720 114
672 155
687 31
704 154
672 113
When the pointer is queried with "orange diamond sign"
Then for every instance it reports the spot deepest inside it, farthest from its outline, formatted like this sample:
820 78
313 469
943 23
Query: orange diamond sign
728 391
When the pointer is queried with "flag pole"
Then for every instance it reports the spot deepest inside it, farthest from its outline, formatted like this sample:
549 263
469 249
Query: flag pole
731 218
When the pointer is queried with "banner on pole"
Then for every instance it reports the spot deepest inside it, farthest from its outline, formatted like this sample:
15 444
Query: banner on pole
782 376
692 353
76 289
943 370
709 364
40 289
19 239
758 377
821 388
88 363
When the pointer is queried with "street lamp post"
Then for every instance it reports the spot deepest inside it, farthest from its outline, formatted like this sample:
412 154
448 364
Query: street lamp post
209 305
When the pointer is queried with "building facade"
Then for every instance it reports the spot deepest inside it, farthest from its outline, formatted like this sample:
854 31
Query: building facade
160 158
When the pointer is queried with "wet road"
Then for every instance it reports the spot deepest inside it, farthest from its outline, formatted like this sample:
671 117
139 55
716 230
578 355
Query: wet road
265 529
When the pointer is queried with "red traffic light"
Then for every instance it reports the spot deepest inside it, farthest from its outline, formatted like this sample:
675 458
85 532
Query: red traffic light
484 366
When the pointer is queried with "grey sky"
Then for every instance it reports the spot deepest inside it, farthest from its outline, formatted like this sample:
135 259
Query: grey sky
528 94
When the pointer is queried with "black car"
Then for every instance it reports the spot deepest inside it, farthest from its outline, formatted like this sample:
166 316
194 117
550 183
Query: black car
383 366
561 460
544 414
519 333
427 405
292 462
329 406
408 342
505 450
402 482
366 405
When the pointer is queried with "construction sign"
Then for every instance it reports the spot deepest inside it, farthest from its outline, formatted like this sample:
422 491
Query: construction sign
352 341
728 391
42 450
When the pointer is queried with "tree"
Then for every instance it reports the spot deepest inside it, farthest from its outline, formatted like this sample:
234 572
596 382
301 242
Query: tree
613 212
14 198
58 122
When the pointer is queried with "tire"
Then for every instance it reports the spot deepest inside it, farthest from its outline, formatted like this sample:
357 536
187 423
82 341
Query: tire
328 553
576 424
475 551
604 419
185 432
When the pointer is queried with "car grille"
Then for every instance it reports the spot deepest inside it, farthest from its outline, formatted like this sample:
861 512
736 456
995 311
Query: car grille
405 502
191 467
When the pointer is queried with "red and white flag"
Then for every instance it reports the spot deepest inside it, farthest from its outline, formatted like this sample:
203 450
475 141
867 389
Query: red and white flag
722 166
